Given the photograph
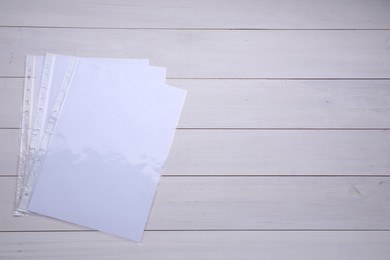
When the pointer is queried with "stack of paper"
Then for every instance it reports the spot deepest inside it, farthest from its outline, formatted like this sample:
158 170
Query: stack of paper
95 135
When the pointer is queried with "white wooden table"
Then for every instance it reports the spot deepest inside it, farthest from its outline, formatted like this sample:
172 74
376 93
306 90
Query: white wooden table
283 148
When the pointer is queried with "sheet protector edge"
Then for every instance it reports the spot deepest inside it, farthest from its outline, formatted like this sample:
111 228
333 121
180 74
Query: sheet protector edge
26 115
40 154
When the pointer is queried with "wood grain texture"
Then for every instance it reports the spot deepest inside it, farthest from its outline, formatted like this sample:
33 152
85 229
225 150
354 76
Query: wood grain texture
235 58
249 14
261 152
213 53
284 152
259 103
247 203
11 94
173 245
285 103
9 151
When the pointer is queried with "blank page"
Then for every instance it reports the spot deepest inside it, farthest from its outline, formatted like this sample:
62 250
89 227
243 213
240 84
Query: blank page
56 67
107 151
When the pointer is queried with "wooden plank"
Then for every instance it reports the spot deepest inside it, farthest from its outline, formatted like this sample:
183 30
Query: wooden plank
9 150
283 152
11 94
265 14
259 103
246 203
213 53
199 245
260 152
285 104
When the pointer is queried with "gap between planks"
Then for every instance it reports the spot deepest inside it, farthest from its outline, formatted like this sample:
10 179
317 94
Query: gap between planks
191 28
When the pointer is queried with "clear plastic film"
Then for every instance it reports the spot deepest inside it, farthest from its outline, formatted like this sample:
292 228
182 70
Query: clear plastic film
39 141
108 126
33 74
54 73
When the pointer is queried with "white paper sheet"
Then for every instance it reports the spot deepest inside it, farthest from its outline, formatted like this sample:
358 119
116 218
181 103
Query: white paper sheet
107 151
56 66
52 72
